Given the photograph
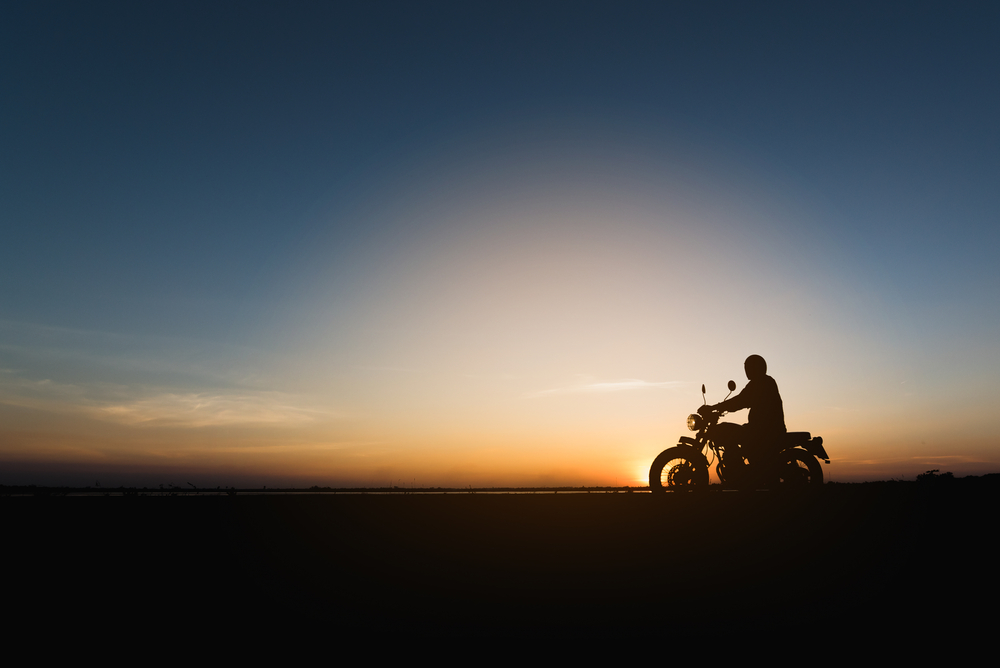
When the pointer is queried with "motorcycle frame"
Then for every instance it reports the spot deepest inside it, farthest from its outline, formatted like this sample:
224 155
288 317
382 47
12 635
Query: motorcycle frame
812 446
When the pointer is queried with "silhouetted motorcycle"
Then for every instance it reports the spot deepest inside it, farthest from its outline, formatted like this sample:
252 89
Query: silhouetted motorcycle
795 459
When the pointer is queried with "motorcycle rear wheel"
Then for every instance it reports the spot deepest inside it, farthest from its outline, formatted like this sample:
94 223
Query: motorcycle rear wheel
677 468
800 469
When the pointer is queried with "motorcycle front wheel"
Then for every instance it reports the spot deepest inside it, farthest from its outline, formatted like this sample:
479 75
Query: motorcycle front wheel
800 469
678 468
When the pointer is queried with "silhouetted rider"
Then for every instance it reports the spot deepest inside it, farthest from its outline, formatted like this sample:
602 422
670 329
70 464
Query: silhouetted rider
765 426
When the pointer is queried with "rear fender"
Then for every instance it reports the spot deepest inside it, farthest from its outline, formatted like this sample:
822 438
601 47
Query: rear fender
816 449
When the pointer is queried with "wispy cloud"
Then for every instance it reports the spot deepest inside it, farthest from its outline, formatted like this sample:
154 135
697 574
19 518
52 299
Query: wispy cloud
151 406
601 387
204 409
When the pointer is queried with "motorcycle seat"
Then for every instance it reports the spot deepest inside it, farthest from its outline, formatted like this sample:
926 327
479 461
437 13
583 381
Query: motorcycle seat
797 436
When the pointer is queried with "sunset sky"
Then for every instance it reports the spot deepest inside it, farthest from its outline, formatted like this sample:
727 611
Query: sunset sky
450 244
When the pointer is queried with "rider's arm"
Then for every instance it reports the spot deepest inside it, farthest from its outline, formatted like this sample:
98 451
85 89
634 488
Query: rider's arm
741 400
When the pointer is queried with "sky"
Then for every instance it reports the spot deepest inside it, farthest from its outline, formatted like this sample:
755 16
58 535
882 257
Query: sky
451 244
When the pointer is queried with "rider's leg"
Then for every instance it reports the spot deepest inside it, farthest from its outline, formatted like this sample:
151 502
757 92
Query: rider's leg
757 447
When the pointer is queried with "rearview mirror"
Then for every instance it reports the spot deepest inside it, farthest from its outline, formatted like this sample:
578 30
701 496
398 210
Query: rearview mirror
732 385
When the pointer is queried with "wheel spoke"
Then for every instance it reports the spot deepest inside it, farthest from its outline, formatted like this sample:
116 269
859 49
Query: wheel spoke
678 468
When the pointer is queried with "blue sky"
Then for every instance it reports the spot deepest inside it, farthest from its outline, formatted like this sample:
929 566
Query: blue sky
433 235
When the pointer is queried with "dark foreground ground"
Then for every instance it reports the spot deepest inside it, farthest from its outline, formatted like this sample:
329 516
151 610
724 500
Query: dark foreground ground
865 558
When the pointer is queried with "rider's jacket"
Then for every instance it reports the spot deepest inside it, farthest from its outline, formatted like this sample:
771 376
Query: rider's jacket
762 398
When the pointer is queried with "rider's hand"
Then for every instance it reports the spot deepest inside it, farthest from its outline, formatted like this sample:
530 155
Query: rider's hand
706 409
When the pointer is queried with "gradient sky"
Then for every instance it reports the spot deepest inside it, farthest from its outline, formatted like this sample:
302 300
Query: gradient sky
491 243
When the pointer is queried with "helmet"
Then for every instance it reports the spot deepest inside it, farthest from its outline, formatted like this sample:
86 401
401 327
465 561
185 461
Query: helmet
755 366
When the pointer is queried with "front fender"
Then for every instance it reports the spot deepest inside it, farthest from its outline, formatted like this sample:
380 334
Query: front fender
686 440
697 449
692 450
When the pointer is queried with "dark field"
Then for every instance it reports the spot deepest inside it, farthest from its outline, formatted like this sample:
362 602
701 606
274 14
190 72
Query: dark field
922 557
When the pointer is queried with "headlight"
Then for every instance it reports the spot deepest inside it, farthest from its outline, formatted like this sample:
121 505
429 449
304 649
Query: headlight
694 422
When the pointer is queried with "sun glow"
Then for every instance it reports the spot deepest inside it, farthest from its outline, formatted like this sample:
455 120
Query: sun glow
487 324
